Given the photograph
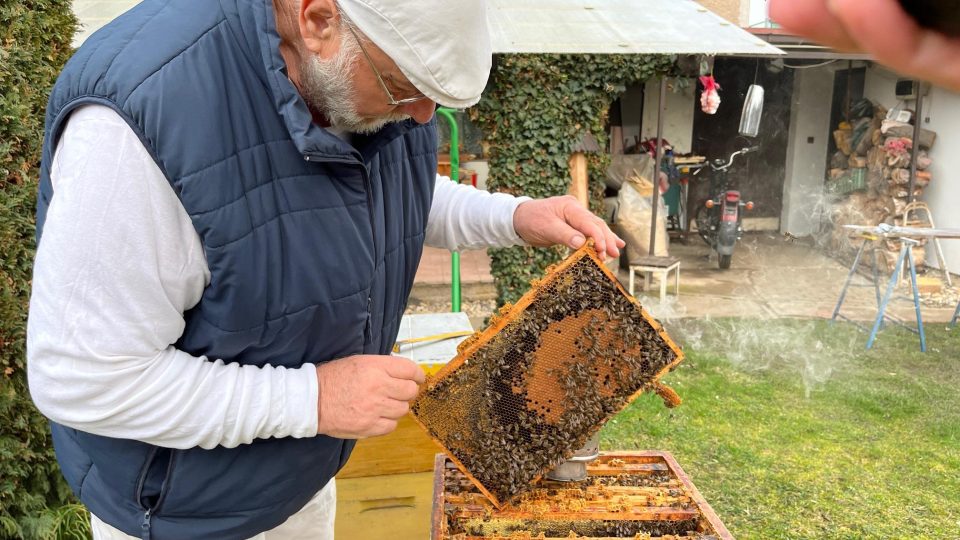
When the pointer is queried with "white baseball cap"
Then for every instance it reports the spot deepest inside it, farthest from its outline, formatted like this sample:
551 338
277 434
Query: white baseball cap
441 46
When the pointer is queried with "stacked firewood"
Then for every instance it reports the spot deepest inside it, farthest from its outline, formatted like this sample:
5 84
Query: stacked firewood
870 176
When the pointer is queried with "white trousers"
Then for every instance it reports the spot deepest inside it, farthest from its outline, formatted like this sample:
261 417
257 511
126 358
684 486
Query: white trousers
313 522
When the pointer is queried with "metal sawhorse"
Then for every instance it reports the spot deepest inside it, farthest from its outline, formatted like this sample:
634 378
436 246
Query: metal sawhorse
956 315
906 254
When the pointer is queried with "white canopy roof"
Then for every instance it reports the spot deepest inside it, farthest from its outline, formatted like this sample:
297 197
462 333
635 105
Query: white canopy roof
617 27
567 26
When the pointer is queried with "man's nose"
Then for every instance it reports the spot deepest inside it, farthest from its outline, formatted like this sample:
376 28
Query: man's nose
421 111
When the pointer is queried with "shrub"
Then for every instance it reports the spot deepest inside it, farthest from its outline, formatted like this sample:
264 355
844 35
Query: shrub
537 108
35 38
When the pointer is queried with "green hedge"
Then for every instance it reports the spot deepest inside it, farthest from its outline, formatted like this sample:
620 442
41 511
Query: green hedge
35 41
536 109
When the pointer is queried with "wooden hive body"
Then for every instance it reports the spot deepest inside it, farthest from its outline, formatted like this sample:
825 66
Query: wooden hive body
627 495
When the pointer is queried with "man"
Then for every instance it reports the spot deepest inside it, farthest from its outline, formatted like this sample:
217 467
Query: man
879 27
234 198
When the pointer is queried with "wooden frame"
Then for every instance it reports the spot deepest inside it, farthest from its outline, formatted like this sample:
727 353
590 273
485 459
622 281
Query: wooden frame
509 313
687 505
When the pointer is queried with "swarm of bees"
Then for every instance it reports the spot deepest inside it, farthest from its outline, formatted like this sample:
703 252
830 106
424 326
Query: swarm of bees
547 373
641 498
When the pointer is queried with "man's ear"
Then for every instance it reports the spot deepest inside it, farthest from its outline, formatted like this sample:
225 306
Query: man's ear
320 26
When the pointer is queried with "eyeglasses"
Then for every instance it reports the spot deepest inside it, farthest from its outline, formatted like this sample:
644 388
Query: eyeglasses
391 101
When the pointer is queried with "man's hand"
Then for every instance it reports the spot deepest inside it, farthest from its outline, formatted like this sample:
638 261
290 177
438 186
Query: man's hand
364 396
563 220
878 27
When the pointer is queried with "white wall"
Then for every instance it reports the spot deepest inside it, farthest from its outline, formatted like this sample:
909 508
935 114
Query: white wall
757 12
806 158
943 193
678 114
879 85
638 109
941 113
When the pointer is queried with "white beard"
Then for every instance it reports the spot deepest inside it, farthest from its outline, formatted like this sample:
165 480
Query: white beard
327 87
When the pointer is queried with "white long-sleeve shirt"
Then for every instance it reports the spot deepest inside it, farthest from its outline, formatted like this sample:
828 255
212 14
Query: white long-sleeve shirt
120 263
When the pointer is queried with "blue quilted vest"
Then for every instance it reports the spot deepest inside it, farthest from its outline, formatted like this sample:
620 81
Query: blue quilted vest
312 245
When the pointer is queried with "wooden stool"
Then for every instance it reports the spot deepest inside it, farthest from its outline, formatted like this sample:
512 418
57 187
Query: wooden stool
656 265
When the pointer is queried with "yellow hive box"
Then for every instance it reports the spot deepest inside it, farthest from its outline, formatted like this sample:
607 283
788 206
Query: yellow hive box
386 488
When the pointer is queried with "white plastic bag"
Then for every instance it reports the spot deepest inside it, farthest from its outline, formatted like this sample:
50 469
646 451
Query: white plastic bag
634 216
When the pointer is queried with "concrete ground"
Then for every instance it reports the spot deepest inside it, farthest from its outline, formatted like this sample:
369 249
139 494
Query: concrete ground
435 267
769 278
773 278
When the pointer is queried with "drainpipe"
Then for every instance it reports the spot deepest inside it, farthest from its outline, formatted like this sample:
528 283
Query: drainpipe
447 113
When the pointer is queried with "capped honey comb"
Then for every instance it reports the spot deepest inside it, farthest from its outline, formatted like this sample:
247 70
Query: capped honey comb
527 392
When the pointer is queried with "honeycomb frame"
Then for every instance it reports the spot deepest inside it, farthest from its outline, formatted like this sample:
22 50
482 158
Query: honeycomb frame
628 494
545 375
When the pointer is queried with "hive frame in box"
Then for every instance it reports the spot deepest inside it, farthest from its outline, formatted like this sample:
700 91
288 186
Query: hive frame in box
702 510
639 351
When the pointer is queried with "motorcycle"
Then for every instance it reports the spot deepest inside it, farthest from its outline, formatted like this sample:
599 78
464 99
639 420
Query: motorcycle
719 218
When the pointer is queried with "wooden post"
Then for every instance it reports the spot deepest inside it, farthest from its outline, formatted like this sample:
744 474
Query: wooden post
579 185
655 200
915 148
616 140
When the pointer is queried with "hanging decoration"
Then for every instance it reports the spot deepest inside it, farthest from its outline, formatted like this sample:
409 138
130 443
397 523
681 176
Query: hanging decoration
710 98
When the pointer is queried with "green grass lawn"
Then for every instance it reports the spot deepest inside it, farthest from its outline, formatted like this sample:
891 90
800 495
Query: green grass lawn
791 430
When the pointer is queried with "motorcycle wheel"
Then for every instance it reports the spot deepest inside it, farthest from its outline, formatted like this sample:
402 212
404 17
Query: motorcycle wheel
725 261
702 219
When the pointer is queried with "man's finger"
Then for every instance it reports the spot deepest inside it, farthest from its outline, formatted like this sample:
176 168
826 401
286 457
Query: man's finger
612 247
559 231
599 239
884 29
383 426
813 18
393 409
402 389
404 368
588 225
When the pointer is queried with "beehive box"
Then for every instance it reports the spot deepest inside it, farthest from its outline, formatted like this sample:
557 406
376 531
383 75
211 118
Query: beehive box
626 495
524 394
386 488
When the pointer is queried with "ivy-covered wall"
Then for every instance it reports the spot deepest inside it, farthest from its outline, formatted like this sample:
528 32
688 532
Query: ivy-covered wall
535 110
35 38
